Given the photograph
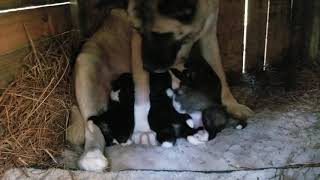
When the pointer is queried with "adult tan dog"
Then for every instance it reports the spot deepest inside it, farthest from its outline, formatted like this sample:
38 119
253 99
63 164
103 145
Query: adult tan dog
168 30
109 53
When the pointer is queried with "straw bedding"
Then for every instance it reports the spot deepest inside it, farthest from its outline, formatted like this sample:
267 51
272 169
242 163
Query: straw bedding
34 108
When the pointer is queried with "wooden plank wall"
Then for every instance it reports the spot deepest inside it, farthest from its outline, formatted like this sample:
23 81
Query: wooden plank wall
230 33
41 23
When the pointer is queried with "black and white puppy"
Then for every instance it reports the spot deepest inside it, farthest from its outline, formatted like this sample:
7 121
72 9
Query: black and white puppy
116 124
195 97
205 113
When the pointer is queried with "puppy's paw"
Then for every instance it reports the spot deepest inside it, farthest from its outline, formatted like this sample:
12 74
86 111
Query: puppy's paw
167 144
93 161
239 111
200 137
145 138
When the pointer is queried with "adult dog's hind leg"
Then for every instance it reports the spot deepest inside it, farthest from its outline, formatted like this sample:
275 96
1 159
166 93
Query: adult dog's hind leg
92 85
142 133
210 51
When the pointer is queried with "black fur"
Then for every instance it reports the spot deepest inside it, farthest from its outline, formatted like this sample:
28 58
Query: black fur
195 94
159 51
110 4
163 119
118 121
182 10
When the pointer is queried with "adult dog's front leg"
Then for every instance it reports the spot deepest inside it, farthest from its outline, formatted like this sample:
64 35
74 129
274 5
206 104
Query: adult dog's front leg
142 133
210 51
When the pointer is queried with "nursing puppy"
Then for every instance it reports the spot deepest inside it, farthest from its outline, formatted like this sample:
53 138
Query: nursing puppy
193 95
183 23
117 123
205 113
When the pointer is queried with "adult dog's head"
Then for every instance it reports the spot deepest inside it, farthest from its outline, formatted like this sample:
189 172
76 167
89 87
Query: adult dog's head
165 26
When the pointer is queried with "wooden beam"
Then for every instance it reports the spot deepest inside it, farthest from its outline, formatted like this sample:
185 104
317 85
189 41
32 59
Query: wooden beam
10 4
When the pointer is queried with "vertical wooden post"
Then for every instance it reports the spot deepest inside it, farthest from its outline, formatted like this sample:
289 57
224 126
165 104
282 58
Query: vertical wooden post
256 31
278 41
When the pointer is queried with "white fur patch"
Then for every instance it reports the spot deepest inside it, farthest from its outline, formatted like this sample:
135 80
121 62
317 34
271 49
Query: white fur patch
141 117
197 119
93 161
114 95
190 123
194 141
200 137
115 141
239 127
169 92
167 144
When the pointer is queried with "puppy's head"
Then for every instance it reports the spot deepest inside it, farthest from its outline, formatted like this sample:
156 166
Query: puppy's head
165 25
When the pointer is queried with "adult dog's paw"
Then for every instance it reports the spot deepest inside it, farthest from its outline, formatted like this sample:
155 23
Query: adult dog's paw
93 161
200 137
239 111
145 138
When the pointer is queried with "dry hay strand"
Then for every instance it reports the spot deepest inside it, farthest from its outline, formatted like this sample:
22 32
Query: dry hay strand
35 107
